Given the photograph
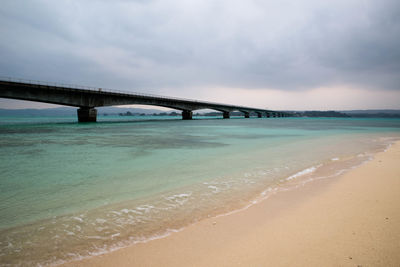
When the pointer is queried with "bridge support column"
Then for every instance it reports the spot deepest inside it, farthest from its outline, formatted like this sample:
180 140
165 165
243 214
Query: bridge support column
226 115
259 114
186 115
247 115
87 114
268 115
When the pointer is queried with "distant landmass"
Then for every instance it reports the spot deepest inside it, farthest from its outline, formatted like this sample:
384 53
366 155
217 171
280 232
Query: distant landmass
69 111
377 113
369 113
372 111
316 113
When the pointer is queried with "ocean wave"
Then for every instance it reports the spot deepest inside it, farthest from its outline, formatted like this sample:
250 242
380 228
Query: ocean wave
304 172
179 199
214 188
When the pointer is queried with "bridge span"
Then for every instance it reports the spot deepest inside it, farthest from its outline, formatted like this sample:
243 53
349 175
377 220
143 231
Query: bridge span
88 98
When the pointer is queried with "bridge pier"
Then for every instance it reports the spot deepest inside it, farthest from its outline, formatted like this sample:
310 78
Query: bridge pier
268 115
226 115
246 114
259 114
86 114
186 114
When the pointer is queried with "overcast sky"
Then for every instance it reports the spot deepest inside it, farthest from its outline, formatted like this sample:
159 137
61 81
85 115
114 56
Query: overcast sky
299 54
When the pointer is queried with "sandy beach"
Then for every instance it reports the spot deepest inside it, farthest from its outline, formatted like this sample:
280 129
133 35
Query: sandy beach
351 220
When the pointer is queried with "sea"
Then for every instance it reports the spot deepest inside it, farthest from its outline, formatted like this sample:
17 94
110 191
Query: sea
72 190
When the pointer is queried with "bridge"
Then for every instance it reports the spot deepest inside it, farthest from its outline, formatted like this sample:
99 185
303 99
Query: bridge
88 98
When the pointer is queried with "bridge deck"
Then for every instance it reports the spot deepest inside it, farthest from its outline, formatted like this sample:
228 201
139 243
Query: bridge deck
87 98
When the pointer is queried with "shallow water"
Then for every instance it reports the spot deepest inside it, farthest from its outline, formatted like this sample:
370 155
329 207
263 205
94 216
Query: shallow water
70 190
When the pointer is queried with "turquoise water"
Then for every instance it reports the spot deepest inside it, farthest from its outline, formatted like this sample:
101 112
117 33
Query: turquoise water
70 190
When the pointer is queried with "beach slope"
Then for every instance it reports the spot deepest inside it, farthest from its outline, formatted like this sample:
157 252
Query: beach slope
351 220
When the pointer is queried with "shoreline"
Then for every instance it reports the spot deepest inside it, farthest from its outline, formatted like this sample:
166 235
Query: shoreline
348 220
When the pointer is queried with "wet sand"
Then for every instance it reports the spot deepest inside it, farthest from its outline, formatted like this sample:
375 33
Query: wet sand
351 220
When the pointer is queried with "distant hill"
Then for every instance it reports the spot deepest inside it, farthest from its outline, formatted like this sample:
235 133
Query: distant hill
369 113
373 113
316 113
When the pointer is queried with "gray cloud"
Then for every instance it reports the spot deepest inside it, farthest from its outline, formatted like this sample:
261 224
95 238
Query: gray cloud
285 45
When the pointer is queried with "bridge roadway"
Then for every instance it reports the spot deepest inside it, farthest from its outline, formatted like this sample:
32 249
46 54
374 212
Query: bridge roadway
88 98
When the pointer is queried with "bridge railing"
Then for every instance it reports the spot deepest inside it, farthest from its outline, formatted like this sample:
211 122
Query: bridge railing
108 90
75 86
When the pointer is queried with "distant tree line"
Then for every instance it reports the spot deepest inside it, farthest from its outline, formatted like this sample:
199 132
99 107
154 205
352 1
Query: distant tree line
328 114
375 115
336 114
128 113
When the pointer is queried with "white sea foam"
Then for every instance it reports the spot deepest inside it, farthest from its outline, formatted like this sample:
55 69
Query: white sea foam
95 237
303 172
115 235
101 229
127 211
101 221
268 191
214 188
78 219
145 208
179 198
69 232
272 190
387 147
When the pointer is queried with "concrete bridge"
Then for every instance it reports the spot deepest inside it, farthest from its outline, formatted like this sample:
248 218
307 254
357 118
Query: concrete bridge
88 98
